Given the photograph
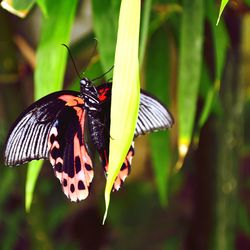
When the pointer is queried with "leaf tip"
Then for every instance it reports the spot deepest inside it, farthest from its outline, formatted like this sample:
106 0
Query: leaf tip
107 199
7 6
218 20
27 204
183 149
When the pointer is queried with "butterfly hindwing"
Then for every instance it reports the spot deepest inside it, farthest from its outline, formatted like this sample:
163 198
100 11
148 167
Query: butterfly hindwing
153 116
125 168
27 139
68 154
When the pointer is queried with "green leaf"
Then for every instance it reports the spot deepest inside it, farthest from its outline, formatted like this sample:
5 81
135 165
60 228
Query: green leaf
43 6
247 2
105 20
18 7
220 39
157 82
222 6
243 220
189 72
221 43
50 67
210 93
125 91
144 28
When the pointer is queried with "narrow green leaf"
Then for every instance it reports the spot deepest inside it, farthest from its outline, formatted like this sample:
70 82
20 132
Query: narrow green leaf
157 82
50 67
125 91
189 72
18 7
222 6
221 42
144 28
43 7
105 20
220 38
210 93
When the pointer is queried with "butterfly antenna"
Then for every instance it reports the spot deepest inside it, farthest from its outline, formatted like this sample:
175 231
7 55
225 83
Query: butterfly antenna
102 74
73 61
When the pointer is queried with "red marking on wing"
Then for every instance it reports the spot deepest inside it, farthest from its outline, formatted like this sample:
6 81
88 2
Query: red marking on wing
125 169
103 93
71 100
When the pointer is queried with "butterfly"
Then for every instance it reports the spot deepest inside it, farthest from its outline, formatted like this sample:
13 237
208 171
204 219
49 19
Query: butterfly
62 126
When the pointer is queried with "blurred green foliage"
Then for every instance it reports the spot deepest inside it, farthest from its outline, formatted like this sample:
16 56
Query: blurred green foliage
200 203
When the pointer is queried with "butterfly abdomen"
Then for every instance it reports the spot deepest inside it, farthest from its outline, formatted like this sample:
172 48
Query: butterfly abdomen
97 130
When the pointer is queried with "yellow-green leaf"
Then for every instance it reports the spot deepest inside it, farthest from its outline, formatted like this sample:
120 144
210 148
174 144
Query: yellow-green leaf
222 7
50 66
125 90
18 7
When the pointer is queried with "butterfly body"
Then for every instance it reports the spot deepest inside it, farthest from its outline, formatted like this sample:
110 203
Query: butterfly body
56 128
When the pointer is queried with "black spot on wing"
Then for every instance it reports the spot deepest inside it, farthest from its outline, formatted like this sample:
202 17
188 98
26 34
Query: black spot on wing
52 138
72 188
77 164
55 153
81 185
88 167
65 183
123 166
58 167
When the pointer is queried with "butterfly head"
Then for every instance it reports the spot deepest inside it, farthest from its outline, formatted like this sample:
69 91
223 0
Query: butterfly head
88 91
85 83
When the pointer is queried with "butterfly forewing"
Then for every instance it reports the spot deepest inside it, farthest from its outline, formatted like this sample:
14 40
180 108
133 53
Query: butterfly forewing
153 115
27 139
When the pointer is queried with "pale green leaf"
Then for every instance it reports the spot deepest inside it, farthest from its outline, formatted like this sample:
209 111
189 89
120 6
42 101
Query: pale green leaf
222 6
125 90
18 7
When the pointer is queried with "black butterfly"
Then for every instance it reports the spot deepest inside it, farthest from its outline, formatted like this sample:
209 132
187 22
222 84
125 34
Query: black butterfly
56 128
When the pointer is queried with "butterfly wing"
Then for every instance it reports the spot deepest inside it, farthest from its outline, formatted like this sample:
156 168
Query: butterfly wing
153 116
27 139
68 153
53 127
